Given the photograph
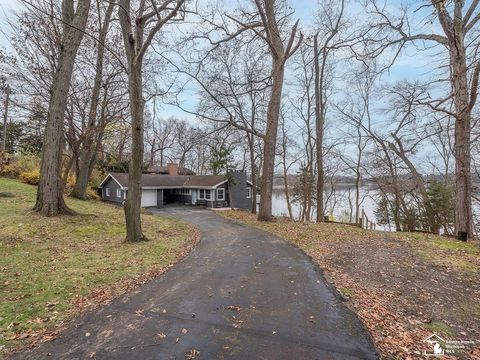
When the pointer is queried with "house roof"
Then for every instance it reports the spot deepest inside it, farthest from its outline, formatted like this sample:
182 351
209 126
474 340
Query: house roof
164 170
204 181
169 181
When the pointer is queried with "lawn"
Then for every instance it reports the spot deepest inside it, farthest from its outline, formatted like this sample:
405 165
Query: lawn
52 269
403 286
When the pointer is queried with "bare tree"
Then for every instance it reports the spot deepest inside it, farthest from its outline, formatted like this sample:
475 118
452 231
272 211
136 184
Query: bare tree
280 51
321 55
50 200
87 155
139 27
457 22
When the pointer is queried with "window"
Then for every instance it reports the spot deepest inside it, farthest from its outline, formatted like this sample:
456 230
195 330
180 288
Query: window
185 191
249 192
107 192
220 194
119 193
205 194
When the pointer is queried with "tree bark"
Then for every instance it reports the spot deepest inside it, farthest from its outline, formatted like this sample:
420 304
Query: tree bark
134 195
270 141
253 171
5 119
319 122
50 200
462 153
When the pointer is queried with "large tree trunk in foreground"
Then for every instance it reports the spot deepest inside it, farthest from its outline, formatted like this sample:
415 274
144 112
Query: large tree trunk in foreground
270 141
134 197
463 176
50 200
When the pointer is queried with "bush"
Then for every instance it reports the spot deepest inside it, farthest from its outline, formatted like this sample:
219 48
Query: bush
10 170
13 165
27 162
30 177
92 194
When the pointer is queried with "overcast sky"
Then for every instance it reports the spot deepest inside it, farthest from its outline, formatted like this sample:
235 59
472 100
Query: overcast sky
411 65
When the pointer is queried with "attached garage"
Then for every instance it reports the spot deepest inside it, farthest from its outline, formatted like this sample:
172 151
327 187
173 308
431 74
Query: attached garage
149 197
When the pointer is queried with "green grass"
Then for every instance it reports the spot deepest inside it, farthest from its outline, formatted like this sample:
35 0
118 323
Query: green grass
439 328
459 255
45 263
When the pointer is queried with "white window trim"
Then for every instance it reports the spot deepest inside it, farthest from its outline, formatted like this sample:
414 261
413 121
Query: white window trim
204 193
249 192
223 194
107 191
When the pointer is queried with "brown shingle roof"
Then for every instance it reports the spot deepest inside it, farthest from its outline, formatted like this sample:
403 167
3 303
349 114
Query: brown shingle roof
160 180
204 180
164 170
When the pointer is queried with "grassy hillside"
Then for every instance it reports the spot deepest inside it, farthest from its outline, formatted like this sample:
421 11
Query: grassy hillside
54 268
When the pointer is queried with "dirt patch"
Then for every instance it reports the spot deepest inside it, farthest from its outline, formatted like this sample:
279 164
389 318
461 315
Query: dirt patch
400 292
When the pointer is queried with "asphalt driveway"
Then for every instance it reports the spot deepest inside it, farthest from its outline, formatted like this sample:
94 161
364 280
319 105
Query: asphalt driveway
240 294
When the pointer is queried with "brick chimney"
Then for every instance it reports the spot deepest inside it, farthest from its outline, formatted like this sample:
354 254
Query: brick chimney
172 169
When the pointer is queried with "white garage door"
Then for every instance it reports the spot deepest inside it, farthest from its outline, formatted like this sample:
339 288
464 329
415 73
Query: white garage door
149 198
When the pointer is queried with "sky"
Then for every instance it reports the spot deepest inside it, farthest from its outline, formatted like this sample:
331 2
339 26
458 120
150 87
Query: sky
411 65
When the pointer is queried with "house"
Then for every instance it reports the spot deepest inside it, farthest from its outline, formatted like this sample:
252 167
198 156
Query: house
159 189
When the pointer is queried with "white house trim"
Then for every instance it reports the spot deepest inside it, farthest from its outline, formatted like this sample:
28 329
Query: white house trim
223 194
111 176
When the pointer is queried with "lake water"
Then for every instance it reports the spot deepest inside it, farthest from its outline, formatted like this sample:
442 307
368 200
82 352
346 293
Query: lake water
340 208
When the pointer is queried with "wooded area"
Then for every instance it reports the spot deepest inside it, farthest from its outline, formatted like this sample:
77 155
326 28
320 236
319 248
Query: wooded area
92 87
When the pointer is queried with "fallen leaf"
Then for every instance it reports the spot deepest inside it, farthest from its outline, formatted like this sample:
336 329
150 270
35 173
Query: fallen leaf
192 354
233 308
87 334
184 331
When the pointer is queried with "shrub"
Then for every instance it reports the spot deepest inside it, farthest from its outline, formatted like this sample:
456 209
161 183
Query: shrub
27 162
30 177
13 165
92 194
10 170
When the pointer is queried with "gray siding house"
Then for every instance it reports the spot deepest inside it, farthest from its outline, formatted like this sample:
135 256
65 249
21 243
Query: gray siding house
159 190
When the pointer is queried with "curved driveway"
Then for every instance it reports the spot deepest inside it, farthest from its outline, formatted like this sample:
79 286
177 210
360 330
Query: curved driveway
241 294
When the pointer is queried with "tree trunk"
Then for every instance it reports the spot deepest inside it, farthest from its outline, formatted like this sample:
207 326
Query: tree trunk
463 177
270 141
50 200
253 170
88 149
5 119
134 195
319 122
